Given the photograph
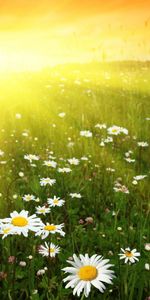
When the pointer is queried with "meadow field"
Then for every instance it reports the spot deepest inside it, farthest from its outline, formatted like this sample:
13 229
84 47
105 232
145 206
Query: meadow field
74 175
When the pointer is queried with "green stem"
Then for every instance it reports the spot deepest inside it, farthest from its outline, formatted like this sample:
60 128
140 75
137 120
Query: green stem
14 270
49 265
126 281
82 296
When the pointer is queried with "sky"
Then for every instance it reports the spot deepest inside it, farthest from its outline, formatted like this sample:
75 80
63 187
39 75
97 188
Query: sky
39 33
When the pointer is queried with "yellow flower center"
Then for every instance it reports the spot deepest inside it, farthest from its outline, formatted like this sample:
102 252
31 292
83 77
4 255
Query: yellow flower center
114 130
52 250
56 201
87 273
50 227
19 221
6 230
128 253
42 210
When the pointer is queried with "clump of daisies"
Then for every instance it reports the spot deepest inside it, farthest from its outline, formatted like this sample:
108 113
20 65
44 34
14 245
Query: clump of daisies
31 157
143 144
118 187
86 272
117 130
86 133
28 198
19 223
47 181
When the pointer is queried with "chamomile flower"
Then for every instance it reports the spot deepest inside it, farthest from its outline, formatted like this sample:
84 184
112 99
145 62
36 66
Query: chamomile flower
56 201
124 130
86 271
114 130
84 158
86 133
50 163
73 161
21 223
28 197
61 114
130 256
139 177
49 250
64 170
45 230
42 210
45 181
100 126
142 144
130 160
120 188
75 195
31 157
1 153
5 230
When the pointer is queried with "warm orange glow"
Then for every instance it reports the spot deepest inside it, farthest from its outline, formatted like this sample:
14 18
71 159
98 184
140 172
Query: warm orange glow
38 33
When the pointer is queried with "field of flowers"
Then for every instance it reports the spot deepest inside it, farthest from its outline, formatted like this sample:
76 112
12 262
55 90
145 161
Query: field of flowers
74 183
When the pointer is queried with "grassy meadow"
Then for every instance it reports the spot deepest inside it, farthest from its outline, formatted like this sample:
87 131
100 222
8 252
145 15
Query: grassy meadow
43 114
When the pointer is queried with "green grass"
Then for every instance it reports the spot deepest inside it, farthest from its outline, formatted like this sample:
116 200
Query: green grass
114 93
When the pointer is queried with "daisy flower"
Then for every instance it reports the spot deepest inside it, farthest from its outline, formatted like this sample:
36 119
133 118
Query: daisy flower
75 195
86 133
47 250
61 114
5 230
73 161
114 130
45 181
1 153
21 223
130 256
50 163
120 188
128 159
109 139
45 230
31 157
28 197
139 177
64 170
86 271
100 126
84 158
56 201
143 144
123 130
42 210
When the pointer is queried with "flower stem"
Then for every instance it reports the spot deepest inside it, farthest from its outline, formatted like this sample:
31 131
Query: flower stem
82 296
49 263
